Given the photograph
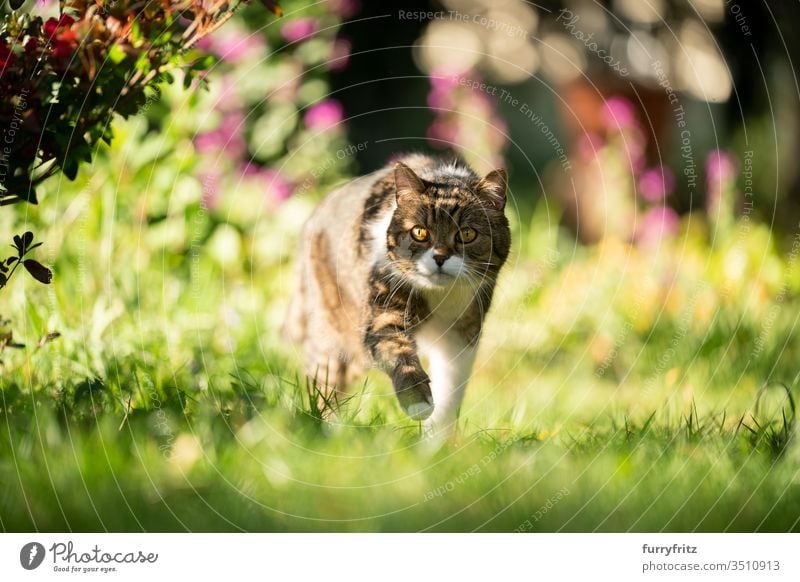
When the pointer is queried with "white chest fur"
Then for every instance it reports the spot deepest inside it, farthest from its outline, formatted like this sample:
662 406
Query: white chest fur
449 356
448 304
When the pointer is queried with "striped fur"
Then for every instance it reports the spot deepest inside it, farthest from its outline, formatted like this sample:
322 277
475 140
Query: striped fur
370 293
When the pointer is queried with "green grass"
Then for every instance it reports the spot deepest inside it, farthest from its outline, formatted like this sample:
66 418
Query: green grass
154 426
616 388
255 456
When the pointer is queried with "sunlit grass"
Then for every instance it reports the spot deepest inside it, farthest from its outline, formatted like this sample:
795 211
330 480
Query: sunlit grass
616 388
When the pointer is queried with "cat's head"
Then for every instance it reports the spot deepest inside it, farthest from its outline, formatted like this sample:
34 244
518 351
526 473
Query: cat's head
451 231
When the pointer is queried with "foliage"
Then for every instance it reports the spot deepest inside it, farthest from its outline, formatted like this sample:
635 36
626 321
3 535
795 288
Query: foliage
63 78
66 76
23 245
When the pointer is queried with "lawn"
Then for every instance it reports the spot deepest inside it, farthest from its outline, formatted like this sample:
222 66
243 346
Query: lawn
618 388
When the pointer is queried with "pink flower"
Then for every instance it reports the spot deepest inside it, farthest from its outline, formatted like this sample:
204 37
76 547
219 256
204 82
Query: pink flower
442 133
657 224
234 48
619 113
589 145
324 115
210 181
720 176
299 29
634 144
228 137
440 99
345 8
442 81
656 183
228 99
278 187
720 167
340 54
7 56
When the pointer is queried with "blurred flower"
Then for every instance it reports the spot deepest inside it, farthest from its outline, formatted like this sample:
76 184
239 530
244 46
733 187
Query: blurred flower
64 40
324 115
440 80
720 167
65 44
442 133
53 24
619 113
278 187
31 46
299 29
233 46
345 8
228 137
656 183
720 190
210 181
442 90
228 98
589 146
466 120
633 145
7 57
657 224
339 54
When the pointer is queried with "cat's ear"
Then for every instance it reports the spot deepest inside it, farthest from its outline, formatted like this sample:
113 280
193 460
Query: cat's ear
492 188
406 182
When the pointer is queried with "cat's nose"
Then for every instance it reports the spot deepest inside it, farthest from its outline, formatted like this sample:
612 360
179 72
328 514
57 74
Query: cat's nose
440 258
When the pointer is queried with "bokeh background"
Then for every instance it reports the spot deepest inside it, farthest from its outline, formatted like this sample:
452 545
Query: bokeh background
639 366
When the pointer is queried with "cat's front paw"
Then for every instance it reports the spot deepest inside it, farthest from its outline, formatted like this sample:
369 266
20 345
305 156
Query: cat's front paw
413 389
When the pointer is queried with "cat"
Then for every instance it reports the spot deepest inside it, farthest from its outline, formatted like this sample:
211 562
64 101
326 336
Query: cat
397 264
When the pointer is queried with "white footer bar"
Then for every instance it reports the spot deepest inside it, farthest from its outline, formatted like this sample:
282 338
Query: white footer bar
389 557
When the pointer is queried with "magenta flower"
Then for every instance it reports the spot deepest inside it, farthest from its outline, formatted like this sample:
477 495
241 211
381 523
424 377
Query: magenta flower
656 183
324 115
634 145
340 54
720 167
589 145
228 137
210 181
278 187
720 192
299 29
442 133
442 93
345 8
441 80
440 99
619 113
234 48
657 224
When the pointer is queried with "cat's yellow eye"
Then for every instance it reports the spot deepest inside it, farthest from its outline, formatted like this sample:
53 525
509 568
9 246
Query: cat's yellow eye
419 234
466 235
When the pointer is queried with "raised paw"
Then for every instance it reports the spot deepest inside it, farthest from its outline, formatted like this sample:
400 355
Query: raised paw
413 389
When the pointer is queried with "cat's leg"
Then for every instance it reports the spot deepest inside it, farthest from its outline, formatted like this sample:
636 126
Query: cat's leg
393 348
450 365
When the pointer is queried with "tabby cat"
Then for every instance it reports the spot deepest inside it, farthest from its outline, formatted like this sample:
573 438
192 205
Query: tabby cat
399 264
